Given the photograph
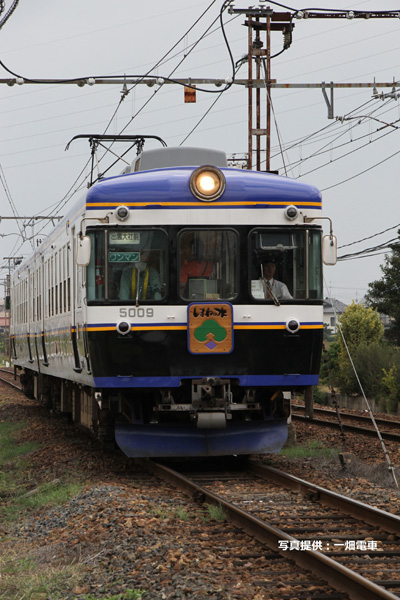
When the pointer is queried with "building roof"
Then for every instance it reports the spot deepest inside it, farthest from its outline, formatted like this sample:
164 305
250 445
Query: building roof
332 305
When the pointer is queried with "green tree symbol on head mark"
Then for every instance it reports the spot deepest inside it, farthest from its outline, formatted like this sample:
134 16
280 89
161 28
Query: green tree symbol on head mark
210 329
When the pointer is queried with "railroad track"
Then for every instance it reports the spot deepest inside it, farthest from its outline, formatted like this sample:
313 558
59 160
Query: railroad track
7 376
390 429
352 546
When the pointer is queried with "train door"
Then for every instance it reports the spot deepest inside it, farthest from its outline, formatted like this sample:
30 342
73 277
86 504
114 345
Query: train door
84 334
73 295
35 313
29 331
43 298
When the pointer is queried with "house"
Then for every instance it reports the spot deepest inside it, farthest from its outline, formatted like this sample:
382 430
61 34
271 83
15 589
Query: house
333 309
4 318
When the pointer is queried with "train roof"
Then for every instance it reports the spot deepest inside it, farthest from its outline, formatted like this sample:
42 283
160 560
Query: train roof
188 156
169 188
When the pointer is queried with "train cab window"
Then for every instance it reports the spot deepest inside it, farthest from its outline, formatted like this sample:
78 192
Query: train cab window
137 265
208 264
285 265
127 265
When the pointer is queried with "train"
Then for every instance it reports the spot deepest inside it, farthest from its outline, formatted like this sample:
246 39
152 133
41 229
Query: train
148 316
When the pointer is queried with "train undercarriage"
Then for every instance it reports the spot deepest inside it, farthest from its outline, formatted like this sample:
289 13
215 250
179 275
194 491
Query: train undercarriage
209 416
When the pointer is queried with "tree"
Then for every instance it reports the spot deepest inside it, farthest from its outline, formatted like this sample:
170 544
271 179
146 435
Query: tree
360 328
384 294
330 363
359 325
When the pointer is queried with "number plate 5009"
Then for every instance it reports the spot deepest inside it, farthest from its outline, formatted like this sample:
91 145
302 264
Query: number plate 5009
133 312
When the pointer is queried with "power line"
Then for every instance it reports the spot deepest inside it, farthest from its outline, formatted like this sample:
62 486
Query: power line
348 153
368 251
370 236
361 172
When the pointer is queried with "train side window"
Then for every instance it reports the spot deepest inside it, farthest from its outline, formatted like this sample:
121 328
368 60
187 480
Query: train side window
208 263
315 265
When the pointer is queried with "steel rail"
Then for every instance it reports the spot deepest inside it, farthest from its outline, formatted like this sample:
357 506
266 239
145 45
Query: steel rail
339 577
387 435
354 508
345 415
9 382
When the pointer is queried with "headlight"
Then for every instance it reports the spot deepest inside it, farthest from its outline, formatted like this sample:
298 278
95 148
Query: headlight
207 183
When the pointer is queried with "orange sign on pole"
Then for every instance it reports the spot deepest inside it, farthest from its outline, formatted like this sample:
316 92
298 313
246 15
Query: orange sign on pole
190 94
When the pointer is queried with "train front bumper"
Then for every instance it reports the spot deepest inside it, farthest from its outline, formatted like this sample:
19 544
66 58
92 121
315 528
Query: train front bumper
151 441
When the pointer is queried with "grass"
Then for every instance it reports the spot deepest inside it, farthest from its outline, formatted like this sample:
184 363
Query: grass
23 579
16 478
13 463
9 448
23 576
313 449
47 494
160 513
182 514
216 512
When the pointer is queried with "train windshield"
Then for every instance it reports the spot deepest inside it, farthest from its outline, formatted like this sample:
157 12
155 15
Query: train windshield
208 264
285 265
128 265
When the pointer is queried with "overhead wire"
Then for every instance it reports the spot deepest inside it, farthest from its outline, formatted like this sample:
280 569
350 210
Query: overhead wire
330 162
369 237
310 136
8 14
323 150
149 75
361 172
361 137
366 251
10 200
218 91
69 195
267 89
205 114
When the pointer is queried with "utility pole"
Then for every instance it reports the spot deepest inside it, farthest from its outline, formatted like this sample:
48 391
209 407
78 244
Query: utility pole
256 52
265 19
12 261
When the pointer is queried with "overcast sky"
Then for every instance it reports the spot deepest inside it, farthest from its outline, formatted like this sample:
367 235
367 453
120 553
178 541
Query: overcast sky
47 39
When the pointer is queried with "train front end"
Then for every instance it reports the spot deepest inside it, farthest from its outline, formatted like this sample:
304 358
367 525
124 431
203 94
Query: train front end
191 353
